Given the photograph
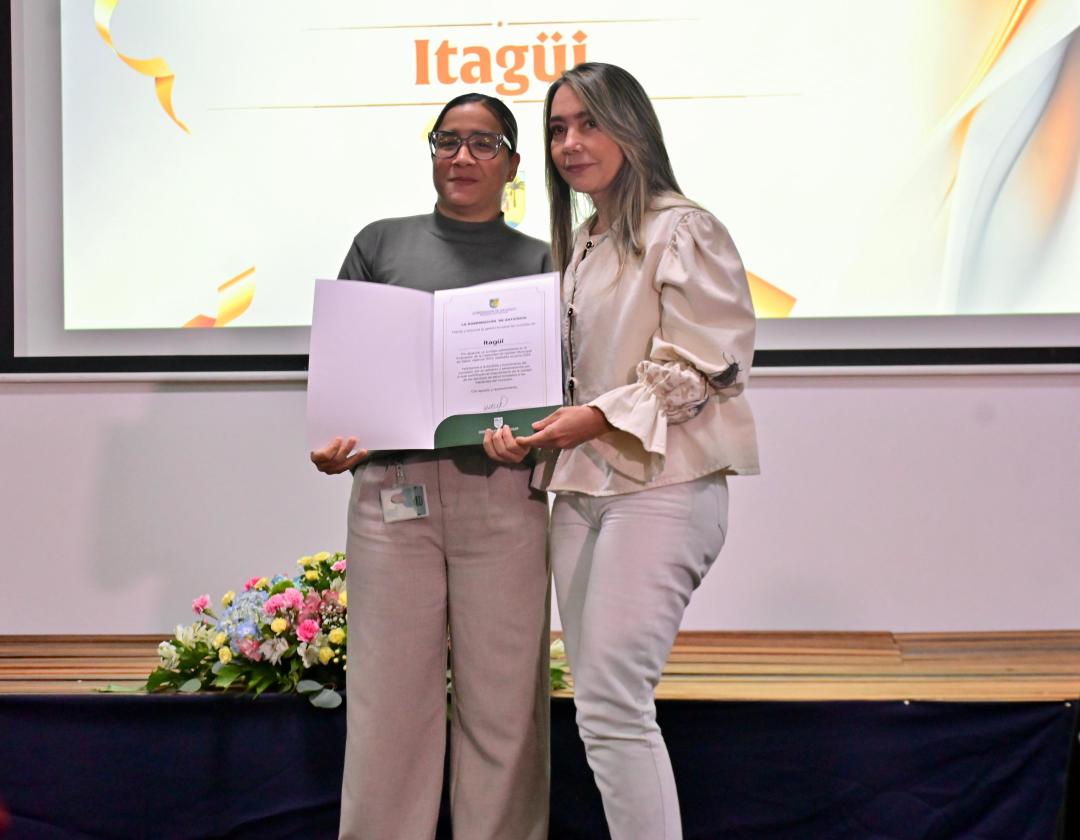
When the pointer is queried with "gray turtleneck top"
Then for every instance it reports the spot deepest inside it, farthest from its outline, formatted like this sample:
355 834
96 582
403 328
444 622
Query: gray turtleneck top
434 252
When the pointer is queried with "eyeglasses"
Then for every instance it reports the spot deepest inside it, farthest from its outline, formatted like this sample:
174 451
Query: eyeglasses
483 145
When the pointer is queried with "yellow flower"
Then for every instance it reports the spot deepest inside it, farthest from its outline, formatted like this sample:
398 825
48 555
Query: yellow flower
337 636
262 583
304 562
279 625
325 655
343 599
225 655
227 598
220 639
321 557
311 575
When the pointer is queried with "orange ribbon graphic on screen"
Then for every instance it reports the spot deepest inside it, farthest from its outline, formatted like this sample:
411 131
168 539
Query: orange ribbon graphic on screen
990 57
996 47
157 68
236 295
769 301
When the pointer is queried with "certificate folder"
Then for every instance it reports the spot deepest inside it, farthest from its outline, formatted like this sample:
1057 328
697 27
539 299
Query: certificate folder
399 368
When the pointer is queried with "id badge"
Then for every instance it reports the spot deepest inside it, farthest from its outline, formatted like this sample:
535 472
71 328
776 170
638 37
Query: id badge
409 501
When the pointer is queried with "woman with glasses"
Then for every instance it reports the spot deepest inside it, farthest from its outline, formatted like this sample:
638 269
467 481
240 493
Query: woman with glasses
658 339
475 566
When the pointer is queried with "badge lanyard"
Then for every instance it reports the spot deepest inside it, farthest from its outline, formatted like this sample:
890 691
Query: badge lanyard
403 501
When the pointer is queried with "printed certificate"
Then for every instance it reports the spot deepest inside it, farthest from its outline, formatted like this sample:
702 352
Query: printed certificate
399 368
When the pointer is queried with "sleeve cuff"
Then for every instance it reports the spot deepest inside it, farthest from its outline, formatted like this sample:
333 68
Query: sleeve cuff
637 445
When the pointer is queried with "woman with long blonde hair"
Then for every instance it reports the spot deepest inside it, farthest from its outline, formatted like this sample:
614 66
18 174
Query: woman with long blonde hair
658 333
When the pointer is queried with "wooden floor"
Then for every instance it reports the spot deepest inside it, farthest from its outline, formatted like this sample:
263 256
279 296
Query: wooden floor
703 666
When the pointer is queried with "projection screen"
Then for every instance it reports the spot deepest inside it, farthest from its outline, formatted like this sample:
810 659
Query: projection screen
900 177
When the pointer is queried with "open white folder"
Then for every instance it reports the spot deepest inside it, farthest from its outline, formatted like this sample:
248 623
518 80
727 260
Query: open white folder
398 368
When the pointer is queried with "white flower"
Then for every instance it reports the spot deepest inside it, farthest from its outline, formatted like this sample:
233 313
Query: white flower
203 632
168 655
272 649
194 633
338 585
185 635
558 649
309 654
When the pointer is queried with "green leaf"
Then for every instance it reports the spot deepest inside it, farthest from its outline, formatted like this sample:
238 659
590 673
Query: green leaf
281 586
265 676
194 684
227 676
326 699
309 686
113 688
160 677
191 659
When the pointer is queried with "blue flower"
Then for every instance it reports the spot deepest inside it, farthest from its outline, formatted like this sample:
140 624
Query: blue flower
240 632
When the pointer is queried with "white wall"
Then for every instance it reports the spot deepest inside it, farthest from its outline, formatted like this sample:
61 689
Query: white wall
899 502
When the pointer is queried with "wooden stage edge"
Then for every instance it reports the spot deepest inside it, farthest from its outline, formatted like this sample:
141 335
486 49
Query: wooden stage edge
789 666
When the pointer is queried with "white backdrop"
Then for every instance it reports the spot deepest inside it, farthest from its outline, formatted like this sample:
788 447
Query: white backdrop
903 503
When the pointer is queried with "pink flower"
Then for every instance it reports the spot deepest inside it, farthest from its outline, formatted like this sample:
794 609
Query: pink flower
290 599
339 566
249 646
310 606
273 604
307 630
251 583
200 604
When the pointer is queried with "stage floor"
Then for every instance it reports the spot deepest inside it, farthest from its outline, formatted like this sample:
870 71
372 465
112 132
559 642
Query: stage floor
807 666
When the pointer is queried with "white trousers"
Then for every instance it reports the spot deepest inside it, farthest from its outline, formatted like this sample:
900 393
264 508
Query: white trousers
625 567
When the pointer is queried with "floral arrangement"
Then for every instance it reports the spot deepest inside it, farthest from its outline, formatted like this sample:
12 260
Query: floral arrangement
559 668
278 634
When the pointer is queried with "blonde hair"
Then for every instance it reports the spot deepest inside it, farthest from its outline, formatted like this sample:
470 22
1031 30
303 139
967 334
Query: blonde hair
623 111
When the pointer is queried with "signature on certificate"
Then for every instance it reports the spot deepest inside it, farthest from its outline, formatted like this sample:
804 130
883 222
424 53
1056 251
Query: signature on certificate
495 405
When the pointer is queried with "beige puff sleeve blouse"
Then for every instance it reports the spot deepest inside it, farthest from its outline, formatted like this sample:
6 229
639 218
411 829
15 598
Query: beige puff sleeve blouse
663 349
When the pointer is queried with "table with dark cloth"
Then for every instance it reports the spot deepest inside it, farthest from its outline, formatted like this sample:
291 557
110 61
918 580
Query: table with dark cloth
214 765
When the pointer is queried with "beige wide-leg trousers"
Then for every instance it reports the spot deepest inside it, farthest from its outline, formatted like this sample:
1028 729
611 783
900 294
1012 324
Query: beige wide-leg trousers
625 567
476 565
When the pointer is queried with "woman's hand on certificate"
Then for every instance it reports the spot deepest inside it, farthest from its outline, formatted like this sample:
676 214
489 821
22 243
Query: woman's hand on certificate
500 445
566 428
335 457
